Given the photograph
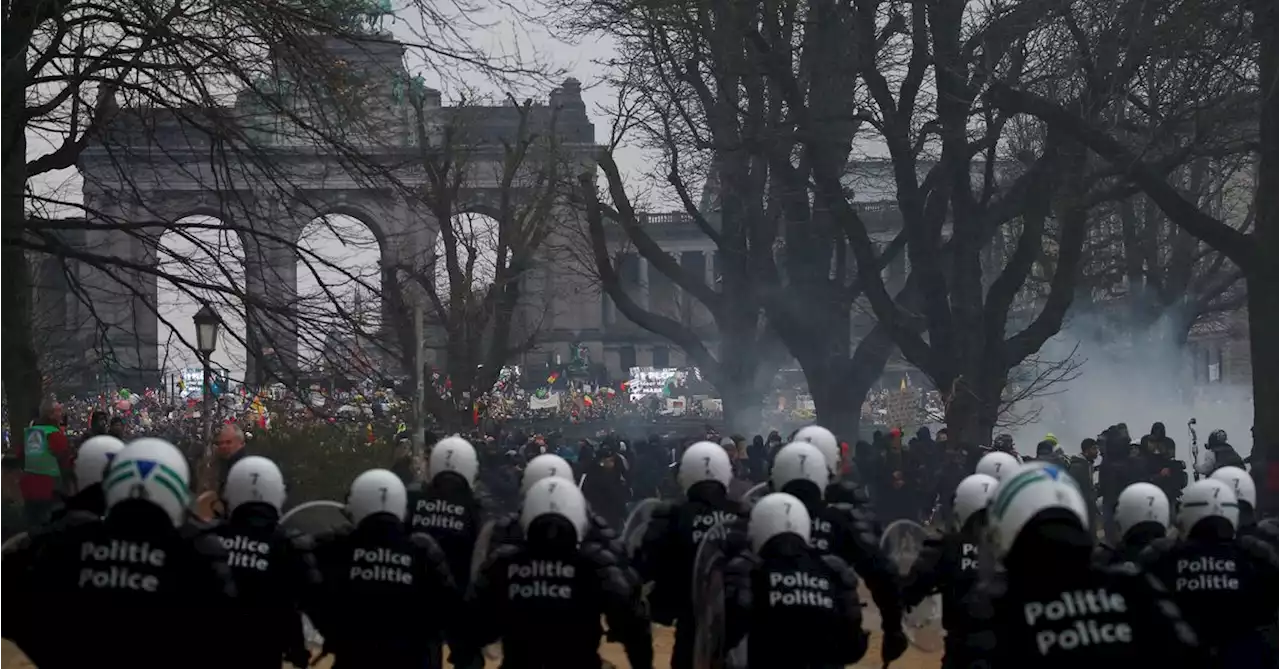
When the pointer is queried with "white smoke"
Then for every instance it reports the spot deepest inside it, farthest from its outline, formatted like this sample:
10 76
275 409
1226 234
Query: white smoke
1120 380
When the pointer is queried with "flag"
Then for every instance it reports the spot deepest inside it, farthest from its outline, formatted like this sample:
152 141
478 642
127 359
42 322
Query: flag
902 387
369 428
610 392
182 386
586 399
552 378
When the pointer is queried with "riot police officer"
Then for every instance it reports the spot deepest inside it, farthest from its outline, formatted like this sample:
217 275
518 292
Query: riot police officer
102 579
844 530
92 460
387 595
1247 497
666 553
1052 607
273 568
1216 578
951 565
1141 516
797 606
544 596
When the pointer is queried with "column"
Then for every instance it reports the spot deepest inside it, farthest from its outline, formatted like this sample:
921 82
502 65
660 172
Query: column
643 288
709 267
271 285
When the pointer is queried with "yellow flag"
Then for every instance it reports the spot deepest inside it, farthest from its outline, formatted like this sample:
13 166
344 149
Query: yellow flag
902 387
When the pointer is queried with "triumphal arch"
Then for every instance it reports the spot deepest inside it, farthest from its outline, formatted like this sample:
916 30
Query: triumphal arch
265 168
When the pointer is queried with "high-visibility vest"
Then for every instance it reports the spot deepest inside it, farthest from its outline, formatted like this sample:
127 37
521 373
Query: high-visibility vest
36 456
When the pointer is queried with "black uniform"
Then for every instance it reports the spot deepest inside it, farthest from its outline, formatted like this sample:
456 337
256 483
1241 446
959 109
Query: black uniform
386 595
1098 617
666 555
274 570
545 606
449 512
87 500
1218 580
1130 546
798 607
129 588
949 565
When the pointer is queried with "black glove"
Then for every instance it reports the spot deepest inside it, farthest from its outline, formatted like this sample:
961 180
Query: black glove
893 644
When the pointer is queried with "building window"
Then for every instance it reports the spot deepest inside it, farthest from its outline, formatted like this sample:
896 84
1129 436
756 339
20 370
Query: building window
627 357
661 356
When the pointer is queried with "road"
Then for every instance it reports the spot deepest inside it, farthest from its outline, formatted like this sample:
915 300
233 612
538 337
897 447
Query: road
12 658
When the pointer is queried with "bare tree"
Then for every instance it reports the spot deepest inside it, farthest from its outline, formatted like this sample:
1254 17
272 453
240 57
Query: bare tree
217 90
1166 280
1201 74
489 249
694 89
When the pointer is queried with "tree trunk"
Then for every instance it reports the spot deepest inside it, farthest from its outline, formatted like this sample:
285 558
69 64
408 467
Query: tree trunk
1261 278
838 400
972 410
21 373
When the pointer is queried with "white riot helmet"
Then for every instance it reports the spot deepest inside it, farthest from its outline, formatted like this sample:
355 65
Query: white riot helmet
799 461
152 470
1141 503
1241 484
377 491
555 496
1025 493
997 465
93 457
457 455
254 479
777 513
1207 498
973 495
543 466
704 461
825 441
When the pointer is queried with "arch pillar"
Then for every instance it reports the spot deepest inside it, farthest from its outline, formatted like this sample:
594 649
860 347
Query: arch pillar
271 296
120 300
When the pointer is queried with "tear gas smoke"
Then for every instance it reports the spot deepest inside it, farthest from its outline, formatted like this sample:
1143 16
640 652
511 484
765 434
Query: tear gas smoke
1134 379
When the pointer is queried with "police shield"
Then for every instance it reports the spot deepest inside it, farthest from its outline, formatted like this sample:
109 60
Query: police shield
11 544
902 542
709 645
755 493
637 524
315 517
480 552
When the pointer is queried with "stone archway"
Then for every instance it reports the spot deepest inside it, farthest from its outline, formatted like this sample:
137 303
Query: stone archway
152 167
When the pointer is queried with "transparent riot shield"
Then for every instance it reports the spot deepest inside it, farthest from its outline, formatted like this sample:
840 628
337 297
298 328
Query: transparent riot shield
314 518
902 542
710 647
480 551
754 494
12 542
637 524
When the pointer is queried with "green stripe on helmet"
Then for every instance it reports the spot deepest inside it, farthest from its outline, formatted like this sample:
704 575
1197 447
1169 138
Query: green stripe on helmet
1013 487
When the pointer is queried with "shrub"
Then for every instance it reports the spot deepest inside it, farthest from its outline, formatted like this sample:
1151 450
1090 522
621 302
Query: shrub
319 461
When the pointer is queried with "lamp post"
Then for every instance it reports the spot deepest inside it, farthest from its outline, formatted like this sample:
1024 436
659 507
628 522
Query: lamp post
207 322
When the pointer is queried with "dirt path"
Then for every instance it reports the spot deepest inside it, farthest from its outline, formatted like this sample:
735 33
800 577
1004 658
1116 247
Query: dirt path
12 658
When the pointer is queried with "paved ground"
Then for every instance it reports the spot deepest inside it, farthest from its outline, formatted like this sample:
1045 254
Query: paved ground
12 658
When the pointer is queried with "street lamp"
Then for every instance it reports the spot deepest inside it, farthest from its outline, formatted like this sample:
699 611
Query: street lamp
207 322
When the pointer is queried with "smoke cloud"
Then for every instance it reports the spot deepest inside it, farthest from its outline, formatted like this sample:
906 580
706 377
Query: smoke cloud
1136 380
